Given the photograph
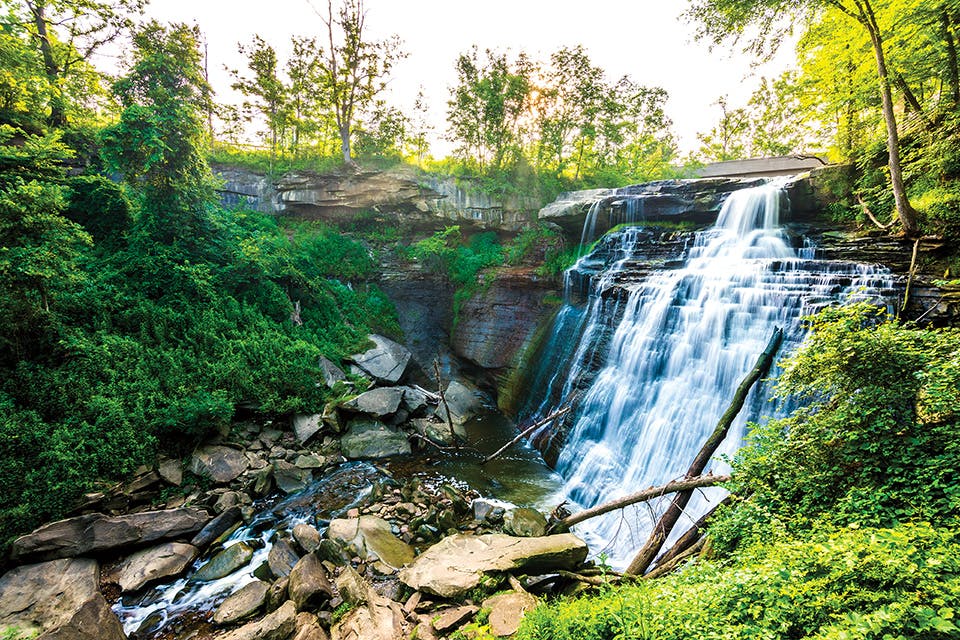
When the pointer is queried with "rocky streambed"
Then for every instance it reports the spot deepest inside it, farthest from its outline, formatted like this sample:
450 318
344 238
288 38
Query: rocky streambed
346 523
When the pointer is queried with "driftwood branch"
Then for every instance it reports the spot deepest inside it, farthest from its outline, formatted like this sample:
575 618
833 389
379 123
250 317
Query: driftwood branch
688 539
910 274
687 484
873 219
443 401
523 434
663 527
664 568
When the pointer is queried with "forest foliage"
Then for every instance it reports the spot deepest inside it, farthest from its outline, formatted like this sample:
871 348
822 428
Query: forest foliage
139 316
845 519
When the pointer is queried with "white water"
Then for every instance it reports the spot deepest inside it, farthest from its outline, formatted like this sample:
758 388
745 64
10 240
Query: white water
685 339
152 610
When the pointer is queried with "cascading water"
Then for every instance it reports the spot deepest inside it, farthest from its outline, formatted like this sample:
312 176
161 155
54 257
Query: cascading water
674 346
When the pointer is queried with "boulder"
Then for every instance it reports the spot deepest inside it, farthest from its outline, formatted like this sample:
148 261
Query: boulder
462 401
309 461
243 603
414 399
524 522
150 565
305 426
351 586
386 362
216 528
228 500
378 403
507 611
439 432
376 619
59 599
372 439
220 464
282 558
309 587
308 628
290 478
171 471
224 563
456 564
332 374
373 539
447 620
96 532
307 537
278 625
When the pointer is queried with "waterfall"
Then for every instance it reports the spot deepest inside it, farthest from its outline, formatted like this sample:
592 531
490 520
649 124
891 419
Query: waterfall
650 362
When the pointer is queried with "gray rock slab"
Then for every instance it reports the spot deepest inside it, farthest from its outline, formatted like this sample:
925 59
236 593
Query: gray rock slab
462 400
59 599
282 558
309 586
306 426
243 603
385 362
373 539
220 464
507 611
216 527
224 563
456 564
332 374
378 403
524 522
372 439
277 625
150 565
97 532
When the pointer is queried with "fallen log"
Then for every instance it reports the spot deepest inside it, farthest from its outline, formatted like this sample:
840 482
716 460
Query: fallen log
687 484
661 530
523 434
688 539
667 567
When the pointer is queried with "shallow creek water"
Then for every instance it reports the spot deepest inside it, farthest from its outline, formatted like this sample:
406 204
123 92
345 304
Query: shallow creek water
177 609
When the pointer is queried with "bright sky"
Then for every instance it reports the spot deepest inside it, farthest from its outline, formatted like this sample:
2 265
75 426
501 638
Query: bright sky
644 38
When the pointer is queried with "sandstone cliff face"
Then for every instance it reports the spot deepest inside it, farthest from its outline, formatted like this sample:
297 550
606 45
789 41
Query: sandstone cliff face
499 322
400 196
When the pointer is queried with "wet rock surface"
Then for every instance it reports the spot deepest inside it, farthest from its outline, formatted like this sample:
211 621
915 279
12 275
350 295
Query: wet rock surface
59 599
457 564
98 532
150 565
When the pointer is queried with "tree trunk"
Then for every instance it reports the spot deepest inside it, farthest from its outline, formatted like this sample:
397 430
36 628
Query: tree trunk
663 527
58 112
907 214
687 484
952 66
345 143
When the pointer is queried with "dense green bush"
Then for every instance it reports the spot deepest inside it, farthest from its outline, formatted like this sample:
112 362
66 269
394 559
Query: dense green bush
901 582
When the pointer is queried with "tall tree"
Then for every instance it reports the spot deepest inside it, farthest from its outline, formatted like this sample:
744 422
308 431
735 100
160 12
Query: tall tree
722 20
265 91
356 68
305 97
159 145
729 139
569 102
488 103
67 33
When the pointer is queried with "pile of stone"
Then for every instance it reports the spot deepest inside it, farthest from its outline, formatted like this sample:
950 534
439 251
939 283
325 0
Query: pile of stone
413 555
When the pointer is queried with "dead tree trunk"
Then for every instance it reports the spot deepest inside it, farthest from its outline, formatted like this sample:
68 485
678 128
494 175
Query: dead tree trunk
687 484
663 527
684 544
523 434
